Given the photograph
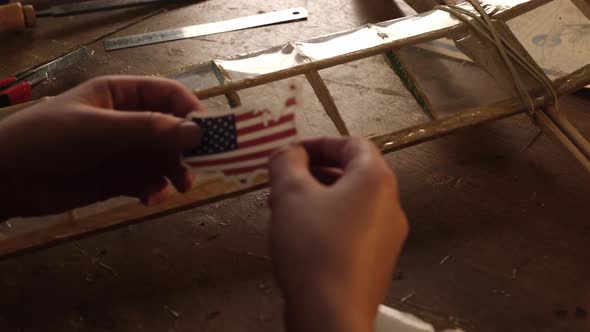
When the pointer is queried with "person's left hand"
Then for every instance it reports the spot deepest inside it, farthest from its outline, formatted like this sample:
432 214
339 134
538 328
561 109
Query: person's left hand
108 137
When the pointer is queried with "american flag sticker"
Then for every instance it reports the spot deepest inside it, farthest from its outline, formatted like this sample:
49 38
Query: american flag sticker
238 143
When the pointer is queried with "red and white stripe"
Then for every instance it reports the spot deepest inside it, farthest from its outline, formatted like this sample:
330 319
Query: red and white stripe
258 135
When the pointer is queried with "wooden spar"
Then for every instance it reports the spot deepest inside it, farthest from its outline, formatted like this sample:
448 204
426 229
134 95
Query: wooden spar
437 128
413 135
69 230
325 97
216 190
570 131
549 127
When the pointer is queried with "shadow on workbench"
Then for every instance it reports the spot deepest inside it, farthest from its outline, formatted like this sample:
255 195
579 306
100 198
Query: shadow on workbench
387 10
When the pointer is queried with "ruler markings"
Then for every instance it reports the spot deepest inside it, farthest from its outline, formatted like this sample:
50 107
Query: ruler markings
206 29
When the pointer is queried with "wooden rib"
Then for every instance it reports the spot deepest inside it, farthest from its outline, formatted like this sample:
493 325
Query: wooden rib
233 99
569 130
409 81
434 129
557 118
583 6
218 190
124 215
325 97
552 129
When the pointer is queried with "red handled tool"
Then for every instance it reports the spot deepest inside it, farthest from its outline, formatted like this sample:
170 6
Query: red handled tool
15 91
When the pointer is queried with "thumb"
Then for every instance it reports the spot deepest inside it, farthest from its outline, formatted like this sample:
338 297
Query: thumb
289 171
152 131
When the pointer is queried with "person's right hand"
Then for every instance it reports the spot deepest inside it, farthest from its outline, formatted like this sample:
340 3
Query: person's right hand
337 229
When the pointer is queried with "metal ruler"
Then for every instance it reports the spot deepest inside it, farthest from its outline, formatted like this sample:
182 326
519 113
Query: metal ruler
286 15
42 72
92 6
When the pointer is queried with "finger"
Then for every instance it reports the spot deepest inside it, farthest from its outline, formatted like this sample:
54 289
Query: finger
170 165
341 152
180 176
140 93
150 189
289 170
131 174
145 131
155 191
359 159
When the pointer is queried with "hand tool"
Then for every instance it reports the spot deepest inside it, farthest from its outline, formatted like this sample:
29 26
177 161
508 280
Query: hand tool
17 89
92 6
15 17
20 92
286 15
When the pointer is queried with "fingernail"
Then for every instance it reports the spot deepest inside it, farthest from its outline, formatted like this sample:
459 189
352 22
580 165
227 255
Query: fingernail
187 181
159 197
190 134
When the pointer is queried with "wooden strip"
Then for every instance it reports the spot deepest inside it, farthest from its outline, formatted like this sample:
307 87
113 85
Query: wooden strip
569 130
558 119
325 97
583 6
122 216
434 129
233 99
549 127
222 76
397 63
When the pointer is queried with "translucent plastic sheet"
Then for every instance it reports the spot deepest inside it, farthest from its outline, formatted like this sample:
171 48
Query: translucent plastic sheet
200 77
447 85
556 35
330 49
263 62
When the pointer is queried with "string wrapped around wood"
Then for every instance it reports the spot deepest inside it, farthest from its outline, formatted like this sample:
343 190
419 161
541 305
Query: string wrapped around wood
483 25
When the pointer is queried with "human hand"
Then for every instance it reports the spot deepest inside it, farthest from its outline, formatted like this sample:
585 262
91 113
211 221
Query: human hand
110 136
337 229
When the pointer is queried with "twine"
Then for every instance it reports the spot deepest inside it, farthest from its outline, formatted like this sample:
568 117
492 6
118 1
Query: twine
483 25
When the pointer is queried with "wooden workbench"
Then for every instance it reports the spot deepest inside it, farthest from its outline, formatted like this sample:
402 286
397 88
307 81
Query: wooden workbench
499 233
